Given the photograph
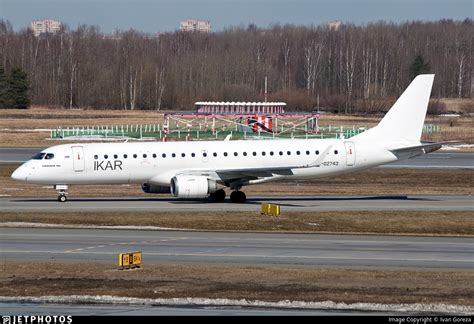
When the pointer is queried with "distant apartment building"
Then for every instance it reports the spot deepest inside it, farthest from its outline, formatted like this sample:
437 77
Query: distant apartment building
335 25
50 26
193 25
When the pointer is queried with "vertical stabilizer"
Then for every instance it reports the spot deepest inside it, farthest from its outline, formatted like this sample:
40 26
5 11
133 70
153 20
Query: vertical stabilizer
404 121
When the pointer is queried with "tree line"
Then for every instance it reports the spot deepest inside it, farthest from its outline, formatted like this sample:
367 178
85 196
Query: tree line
353 69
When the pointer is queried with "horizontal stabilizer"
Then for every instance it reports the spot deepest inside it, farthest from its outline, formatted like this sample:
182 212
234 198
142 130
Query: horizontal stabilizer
412 151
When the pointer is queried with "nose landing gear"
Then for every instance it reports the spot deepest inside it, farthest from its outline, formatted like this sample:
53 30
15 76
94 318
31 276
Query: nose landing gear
62 197
62 189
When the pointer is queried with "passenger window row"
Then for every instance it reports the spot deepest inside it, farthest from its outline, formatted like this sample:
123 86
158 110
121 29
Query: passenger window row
204 154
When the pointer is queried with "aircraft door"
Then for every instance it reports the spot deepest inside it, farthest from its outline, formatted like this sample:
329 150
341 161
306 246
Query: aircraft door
350 153
79 161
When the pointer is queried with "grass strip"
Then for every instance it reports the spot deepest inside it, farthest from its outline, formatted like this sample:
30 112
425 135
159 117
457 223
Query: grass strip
379 222
169 280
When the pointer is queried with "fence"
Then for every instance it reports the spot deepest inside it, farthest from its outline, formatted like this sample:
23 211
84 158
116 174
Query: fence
161 132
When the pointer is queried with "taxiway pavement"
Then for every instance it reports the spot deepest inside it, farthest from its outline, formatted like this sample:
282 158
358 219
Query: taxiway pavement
34 309
89 245
253 204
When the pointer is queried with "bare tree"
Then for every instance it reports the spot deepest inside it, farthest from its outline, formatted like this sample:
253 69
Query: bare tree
350 65
159 87
312 56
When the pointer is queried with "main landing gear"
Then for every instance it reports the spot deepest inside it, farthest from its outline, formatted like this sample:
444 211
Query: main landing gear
62 190
238 197
218 196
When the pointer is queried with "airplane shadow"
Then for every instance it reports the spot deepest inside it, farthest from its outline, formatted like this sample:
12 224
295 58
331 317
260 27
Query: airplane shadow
277 200
257 200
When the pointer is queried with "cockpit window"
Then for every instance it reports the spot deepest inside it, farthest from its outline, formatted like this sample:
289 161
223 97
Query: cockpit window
49 156
38 156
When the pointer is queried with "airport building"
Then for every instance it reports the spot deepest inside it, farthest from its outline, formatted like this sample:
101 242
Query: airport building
47 26
193 25
244 118
245 108
335 25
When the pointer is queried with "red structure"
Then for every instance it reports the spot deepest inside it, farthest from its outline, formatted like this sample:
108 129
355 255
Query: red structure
260 123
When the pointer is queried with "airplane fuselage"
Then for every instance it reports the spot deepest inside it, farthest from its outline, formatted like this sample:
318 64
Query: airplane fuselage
158 162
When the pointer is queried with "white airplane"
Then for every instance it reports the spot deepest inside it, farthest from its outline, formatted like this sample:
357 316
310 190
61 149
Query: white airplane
203 169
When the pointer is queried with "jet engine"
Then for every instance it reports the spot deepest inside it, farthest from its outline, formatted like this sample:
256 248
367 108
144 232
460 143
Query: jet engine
193 186
151 188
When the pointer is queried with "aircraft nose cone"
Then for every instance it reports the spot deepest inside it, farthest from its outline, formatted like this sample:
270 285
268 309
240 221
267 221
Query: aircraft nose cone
19 174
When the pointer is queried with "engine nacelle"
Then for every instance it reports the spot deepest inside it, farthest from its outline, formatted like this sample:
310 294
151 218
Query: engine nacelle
193 186
152 188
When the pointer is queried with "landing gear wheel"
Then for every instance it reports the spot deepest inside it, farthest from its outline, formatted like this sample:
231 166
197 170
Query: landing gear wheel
218 196
62 191
238 197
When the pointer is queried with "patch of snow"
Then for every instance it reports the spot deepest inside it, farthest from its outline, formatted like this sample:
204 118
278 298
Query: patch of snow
456 147
449 115
92 138
120 227
284 304
27 130
103 138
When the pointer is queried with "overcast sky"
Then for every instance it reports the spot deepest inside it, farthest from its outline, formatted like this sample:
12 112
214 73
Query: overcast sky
164 15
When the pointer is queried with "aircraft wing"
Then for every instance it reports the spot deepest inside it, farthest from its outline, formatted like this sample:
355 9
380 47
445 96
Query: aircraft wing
245 174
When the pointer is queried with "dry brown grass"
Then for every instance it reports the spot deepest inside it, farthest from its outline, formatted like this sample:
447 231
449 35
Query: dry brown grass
452 129
51 118
371 182
17 124
165 280
463 105
393 222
